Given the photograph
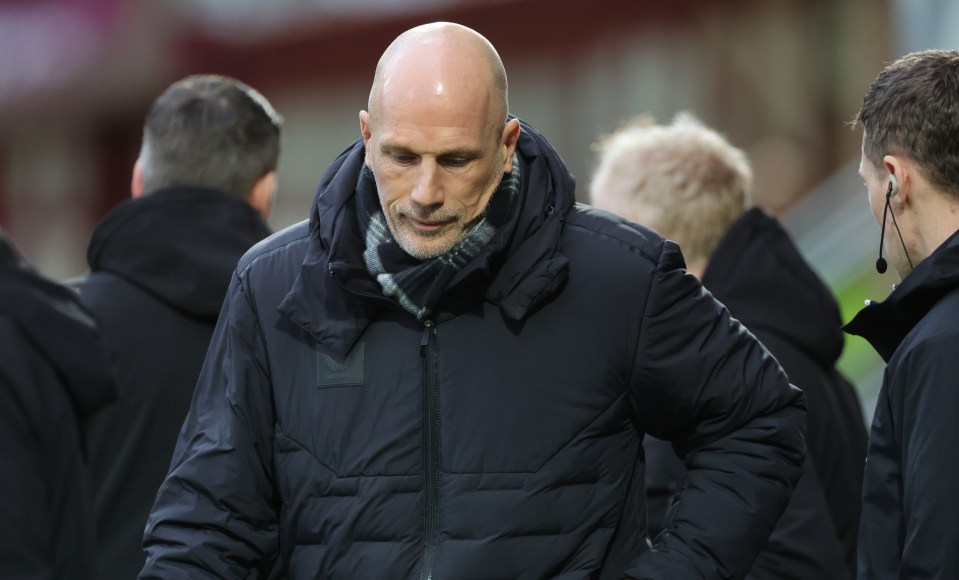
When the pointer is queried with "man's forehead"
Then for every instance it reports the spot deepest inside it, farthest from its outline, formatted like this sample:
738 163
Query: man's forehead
443 115
434 138
437 89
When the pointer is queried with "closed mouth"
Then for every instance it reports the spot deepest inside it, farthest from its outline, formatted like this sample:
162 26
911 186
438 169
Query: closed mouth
427 225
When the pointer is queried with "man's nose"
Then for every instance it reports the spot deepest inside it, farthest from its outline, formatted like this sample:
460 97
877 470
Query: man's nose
428 191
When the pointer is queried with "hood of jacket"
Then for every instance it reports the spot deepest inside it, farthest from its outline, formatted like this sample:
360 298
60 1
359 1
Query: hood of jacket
59 327
520 267
179 244
759 274
885 324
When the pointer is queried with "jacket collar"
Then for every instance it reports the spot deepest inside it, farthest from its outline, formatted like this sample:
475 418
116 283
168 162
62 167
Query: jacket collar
535 267
179 244
334 298
761 277
318 301
885 324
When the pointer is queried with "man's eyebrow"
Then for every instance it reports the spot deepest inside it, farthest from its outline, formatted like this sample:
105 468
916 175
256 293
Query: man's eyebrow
465 153
393 148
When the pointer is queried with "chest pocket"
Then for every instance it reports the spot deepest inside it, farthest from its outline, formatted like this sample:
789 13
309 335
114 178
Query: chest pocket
358 415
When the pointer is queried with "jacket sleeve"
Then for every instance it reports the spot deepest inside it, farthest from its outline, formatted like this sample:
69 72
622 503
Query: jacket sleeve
215 514
704 383
804 545
926 382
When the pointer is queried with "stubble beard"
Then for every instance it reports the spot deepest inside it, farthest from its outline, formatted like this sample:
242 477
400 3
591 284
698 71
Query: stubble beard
425 245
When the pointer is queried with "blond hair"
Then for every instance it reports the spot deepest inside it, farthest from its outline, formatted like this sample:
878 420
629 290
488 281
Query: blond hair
683 180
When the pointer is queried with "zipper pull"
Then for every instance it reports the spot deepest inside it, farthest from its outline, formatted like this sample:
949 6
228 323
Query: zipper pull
425 337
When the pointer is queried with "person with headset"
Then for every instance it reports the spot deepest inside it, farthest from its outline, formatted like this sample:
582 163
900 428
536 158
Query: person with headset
910 165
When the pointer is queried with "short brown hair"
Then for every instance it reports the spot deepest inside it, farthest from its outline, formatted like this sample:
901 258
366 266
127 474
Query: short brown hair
912 109
210 131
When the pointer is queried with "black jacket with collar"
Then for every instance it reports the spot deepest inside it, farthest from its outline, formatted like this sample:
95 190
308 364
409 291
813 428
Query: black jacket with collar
910 505
759 274
54 374
501 439
160 266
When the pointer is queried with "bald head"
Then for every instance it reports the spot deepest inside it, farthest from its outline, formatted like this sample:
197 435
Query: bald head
439 64
436 135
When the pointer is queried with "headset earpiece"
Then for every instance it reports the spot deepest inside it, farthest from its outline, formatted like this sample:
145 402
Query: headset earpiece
891 189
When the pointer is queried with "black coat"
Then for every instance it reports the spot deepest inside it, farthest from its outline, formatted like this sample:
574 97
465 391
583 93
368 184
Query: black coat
910 505
160 266
500 439
54 373
758 273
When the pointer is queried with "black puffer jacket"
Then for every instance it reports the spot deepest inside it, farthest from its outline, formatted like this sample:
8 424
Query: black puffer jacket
160 266
910 505
54 374
501 439
758 273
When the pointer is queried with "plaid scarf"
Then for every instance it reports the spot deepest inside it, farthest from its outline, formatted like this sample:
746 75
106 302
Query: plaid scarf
418 284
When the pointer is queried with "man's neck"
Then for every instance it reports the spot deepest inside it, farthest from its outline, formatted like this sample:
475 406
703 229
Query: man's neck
937 220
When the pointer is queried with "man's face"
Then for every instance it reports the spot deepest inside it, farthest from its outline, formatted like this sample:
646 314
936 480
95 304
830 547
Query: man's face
435 171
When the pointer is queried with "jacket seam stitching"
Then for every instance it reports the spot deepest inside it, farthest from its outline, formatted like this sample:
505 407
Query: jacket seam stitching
243 271
642 319
634 248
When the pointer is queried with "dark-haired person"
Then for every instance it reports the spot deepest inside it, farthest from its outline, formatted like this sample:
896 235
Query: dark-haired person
54 374
910 164
160 266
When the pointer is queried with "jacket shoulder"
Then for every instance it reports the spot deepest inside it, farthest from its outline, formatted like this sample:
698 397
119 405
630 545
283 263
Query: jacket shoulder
290 242
939 321
607 231
934 329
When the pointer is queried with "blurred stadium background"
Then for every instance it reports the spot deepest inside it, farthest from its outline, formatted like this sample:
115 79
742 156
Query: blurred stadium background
781 78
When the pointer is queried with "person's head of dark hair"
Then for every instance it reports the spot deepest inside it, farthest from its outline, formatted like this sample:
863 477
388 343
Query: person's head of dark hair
209 131
912 109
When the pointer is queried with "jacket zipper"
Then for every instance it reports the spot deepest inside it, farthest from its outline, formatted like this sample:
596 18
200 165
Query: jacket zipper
431 449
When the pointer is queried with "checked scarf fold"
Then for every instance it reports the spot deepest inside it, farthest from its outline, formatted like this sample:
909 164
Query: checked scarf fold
415 284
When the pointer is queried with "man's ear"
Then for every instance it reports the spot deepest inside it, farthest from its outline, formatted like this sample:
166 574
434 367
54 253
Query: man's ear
367 134
900 175
262 195
509 139
136 182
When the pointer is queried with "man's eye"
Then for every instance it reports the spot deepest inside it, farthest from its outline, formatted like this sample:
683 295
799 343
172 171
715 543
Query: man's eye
454 161
403 158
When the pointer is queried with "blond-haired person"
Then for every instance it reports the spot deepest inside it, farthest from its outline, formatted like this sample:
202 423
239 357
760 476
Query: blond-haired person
687 182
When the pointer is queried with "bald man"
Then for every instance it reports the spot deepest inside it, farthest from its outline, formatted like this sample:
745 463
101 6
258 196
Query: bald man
448 370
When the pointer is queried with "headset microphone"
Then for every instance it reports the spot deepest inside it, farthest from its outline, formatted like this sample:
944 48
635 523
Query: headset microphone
881 264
